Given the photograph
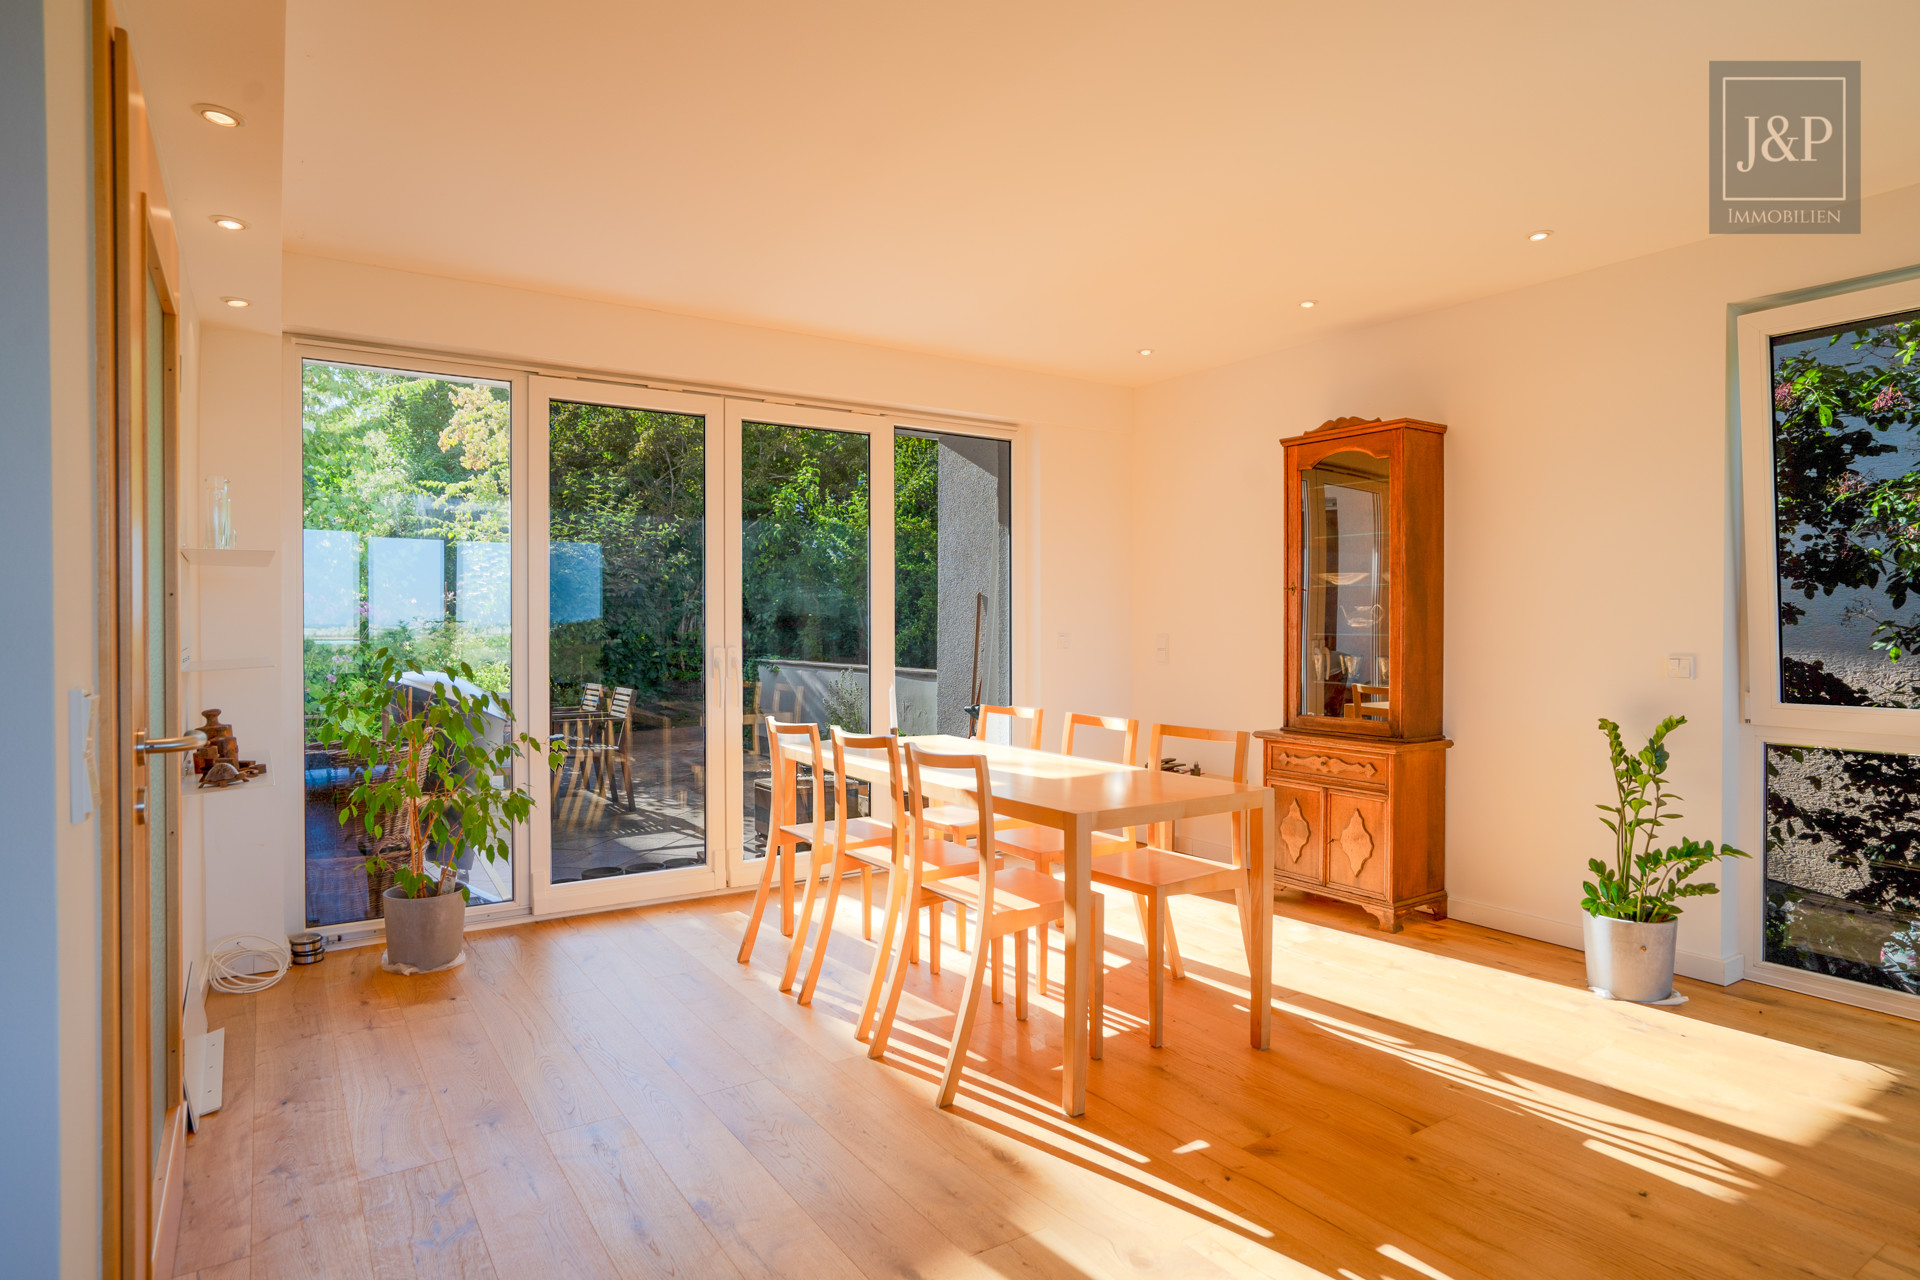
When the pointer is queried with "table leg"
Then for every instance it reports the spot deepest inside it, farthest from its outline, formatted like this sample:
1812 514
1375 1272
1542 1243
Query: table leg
1260 933
1078 984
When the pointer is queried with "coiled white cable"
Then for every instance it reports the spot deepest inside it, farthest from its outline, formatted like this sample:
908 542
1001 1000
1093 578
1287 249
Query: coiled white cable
227 956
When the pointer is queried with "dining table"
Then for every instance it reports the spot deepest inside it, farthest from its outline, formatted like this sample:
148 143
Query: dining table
1078 796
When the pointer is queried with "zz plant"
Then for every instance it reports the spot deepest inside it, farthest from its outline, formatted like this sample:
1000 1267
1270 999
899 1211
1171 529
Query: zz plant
429 768
1645 882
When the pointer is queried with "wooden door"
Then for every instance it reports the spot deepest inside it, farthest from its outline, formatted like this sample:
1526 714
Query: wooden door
140 715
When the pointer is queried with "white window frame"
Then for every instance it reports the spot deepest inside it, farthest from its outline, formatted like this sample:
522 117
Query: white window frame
1764 717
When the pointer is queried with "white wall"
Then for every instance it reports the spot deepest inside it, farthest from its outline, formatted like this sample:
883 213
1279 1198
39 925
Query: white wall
1588 534
252 834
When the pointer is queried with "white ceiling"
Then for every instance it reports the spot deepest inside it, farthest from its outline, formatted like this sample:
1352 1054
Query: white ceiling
1050 185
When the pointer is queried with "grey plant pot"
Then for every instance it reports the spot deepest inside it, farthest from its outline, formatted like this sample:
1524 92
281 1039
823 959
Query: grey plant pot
424 932
1630 960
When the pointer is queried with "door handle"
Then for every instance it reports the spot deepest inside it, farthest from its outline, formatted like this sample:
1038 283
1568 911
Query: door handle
191 740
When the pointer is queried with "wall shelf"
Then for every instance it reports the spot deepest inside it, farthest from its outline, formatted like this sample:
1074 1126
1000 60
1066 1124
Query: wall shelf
227 557
226 664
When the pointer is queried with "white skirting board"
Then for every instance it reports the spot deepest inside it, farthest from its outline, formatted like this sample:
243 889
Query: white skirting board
204 1069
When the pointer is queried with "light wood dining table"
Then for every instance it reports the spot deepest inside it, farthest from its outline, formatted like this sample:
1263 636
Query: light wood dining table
1077 797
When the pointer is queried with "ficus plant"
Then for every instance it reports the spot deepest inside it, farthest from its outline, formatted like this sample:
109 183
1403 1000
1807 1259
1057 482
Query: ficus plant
1645 881
429 767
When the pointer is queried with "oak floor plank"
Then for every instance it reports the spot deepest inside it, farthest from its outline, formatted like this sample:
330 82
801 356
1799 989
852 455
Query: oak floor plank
679 1037
389 1105
216 1218
529 1217
872 1223
762 1229
557 1086
647 1226
238 1269
308 1219
1446 1101
421 1226
972 1211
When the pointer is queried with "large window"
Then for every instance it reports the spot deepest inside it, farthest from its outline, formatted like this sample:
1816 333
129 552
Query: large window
1833 443
406 546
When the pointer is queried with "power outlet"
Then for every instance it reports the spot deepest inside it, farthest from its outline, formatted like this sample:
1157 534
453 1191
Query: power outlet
1065 641
1679 666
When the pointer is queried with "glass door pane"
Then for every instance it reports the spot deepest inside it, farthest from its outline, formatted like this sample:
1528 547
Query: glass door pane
627 601
805 607
953 579
1344 669
627 650
408 486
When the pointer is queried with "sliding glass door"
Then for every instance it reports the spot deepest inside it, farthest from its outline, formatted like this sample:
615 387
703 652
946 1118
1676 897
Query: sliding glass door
631 642
812 615
645 577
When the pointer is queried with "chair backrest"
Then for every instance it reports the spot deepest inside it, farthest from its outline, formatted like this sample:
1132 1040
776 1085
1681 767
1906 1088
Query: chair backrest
620 706
1119 724
1240 738
981 793
783 751
1032 715
591 696
844 742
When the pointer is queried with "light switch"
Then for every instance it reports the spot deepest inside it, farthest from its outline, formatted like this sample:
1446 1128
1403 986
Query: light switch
1160 647
1679 666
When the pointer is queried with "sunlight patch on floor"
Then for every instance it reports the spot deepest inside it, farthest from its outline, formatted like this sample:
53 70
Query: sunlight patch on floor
1767 1087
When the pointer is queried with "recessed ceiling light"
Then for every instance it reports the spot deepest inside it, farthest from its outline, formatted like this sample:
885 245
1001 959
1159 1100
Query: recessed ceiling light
227 222
1309 303
235 303
1540 235
1146 351
225 117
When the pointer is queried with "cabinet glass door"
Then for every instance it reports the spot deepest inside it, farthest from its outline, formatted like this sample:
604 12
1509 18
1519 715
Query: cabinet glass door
1345 586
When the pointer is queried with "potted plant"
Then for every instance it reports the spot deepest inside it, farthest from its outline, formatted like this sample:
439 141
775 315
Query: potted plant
435 755
1632 911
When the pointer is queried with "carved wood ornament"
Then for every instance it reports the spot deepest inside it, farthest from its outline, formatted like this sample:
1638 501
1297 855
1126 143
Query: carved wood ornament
1356 842
1334 765
1294 832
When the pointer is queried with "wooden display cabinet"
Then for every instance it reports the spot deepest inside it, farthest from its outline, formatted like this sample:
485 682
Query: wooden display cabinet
1359 771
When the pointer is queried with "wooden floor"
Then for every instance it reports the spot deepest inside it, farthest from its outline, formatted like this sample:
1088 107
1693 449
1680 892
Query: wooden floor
614 1096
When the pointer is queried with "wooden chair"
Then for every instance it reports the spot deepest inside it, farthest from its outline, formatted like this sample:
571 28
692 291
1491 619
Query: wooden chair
784 837
1044 846
1006 900
956 821
1155 874
862 845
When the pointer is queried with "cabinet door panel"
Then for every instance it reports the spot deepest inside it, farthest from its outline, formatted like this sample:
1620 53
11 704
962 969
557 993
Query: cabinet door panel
1301 851
1357 842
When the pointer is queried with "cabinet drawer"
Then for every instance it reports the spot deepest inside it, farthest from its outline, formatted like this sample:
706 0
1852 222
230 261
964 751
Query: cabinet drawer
1357 842
1331 764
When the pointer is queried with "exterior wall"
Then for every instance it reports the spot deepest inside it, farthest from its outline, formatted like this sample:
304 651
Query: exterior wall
1588 535
976 532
